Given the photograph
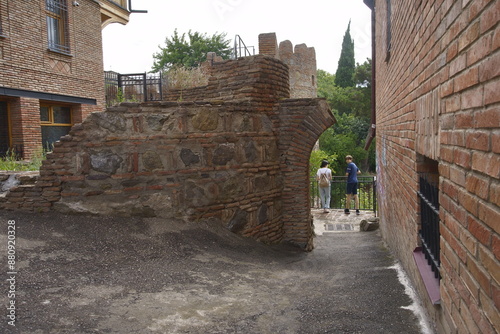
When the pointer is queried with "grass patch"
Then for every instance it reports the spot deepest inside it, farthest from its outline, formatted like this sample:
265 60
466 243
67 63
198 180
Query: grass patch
11 162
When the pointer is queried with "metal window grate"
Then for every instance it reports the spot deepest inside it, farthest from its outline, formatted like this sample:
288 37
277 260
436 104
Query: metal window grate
57 25
429 232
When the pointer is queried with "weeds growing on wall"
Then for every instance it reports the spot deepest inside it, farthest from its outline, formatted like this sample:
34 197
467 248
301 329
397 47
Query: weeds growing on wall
11 162
184 78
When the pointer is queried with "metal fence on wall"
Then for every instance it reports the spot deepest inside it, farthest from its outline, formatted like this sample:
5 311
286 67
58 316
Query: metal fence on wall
135 87
366 193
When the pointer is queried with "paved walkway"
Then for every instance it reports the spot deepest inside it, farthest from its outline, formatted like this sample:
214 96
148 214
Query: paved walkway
337 221
78 274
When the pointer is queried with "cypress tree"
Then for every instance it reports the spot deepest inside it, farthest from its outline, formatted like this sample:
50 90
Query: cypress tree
344 77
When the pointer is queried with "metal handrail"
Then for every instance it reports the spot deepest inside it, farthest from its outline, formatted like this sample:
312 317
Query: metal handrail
367 186
239 45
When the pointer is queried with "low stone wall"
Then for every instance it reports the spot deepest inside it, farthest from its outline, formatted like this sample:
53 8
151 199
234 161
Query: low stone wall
176 160
19 190
239 159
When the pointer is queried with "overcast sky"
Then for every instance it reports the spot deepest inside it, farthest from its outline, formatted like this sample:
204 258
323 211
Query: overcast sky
317 23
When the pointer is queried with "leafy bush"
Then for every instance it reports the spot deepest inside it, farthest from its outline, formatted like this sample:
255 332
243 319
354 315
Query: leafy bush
315 161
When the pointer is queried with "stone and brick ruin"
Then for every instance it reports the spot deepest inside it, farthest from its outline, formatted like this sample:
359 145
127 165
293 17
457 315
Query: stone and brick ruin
301 61
235 152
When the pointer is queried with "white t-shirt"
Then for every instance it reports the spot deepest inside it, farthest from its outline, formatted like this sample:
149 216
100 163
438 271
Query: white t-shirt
324 170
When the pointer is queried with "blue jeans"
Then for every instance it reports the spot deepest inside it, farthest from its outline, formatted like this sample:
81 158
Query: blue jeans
324 195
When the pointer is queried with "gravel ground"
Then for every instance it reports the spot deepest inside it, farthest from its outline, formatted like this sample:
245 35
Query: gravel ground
80 274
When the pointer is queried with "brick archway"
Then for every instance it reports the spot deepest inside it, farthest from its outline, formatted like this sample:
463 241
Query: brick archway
302 122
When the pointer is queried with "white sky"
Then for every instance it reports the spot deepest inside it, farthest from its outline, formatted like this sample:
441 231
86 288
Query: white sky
317 23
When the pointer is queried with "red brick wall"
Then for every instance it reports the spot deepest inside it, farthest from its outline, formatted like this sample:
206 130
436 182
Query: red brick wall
25 122
26 63
268 44
438 97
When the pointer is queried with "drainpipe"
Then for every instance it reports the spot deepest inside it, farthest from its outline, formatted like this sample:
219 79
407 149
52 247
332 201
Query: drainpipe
372 130
134 10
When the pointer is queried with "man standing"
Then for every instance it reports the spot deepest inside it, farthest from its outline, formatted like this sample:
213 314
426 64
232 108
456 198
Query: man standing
352 185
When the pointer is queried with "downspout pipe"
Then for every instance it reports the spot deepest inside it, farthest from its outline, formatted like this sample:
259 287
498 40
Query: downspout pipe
372 130
134 10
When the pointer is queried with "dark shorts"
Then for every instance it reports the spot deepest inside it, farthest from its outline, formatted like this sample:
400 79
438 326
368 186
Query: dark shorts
352 188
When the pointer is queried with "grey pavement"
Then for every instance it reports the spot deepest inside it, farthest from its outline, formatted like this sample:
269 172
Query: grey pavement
80 274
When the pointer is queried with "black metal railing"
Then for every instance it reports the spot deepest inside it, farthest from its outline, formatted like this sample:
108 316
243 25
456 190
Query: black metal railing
429 213
136 87
367 187
240 49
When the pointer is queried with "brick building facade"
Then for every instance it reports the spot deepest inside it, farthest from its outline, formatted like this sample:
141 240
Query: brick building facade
437 66
51 68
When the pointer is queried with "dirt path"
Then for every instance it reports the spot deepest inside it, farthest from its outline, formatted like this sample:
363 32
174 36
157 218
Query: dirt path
77 274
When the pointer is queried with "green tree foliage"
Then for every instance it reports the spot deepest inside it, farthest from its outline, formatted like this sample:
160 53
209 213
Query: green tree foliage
351 100
191 52
315 161
344 77
363 80
363 74
346 138
351 106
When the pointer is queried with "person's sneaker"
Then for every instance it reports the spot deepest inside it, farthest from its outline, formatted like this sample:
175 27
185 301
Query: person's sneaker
346 211
357 212
326 211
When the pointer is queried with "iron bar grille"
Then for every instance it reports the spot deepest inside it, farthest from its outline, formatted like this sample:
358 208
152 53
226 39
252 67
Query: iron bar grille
57 25
366 193
429 214
138 87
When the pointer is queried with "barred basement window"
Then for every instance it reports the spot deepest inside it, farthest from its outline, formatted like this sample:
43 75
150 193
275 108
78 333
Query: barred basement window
57 25
4 129
1 20
429 214
388 30
427 256
56 122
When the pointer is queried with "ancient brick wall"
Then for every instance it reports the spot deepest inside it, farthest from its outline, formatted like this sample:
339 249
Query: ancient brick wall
236 155
301 62
27 64
438 105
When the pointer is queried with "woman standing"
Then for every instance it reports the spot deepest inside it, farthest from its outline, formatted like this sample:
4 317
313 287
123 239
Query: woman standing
324 176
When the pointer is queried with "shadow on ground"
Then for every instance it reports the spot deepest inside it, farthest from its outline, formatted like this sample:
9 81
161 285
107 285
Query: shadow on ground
78 274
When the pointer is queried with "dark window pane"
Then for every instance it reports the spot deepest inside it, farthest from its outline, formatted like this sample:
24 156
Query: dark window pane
51 134
57 34
62 115
44 114
4 129
53 32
